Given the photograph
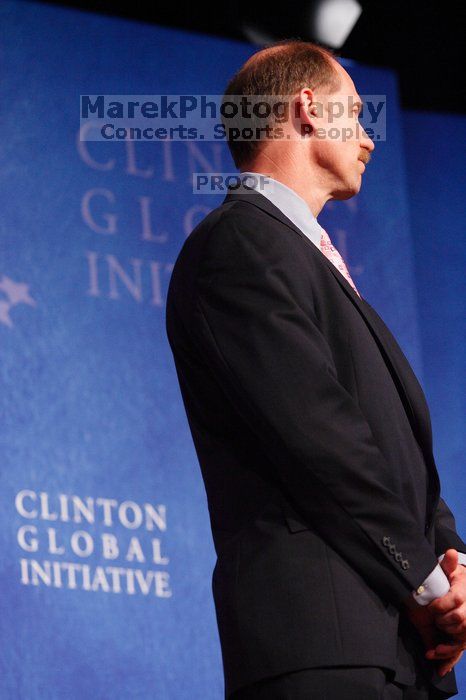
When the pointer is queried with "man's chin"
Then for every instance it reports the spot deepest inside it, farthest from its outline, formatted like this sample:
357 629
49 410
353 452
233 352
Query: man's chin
348 192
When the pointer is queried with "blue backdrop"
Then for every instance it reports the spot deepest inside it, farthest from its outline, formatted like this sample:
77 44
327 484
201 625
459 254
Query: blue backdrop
106 548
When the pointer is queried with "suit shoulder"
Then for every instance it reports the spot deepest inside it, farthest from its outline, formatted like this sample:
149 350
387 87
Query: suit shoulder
239 235
201 232
241 226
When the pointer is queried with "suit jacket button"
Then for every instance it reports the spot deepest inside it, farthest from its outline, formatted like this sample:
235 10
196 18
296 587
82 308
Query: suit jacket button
386 541
405 564
392 549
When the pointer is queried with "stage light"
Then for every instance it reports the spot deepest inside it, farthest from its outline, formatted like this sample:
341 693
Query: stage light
333 20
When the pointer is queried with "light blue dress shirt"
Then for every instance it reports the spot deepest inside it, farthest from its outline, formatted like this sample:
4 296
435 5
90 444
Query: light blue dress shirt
297 210
290 203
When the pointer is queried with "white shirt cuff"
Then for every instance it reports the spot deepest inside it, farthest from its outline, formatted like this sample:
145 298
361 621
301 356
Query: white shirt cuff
436 584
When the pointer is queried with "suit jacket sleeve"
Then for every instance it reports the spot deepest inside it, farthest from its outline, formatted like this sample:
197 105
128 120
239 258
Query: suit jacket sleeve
255 323
446 536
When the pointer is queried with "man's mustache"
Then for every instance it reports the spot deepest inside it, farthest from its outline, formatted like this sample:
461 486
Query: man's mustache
365 156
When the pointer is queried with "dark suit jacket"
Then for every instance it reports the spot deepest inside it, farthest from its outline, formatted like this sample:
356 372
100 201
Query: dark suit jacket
314 441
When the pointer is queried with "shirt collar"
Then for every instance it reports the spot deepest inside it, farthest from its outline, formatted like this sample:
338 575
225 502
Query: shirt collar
289 202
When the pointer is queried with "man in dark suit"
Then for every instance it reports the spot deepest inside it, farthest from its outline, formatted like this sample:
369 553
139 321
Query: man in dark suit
312 432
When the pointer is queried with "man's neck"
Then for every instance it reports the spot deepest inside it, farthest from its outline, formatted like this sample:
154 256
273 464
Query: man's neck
314 196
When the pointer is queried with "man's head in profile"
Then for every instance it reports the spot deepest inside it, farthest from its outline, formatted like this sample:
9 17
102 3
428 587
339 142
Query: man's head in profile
320 149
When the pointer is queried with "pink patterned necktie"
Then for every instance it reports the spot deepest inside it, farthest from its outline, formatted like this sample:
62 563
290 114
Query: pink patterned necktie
330 252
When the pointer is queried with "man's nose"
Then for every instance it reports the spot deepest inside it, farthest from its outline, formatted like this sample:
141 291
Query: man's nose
367 142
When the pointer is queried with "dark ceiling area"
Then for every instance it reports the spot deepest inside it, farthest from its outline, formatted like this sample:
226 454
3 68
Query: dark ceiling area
424 42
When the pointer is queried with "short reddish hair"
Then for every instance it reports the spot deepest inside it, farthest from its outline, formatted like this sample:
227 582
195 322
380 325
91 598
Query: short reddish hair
282 68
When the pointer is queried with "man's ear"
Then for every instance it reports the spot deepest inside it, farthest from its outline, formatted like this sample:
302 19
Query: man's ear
307 111
306 98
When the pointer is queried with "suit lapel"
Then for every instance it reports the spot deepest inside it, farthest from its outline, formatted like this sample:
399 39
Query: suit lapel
412 399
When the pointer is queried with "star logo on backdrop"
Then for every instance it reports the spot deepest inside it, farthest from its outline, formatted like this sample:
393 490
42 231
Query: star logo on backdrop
16 293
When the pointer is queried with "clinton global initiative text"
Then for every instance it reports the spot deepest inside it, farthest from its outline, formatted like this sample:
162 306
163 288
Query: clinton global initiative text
108 579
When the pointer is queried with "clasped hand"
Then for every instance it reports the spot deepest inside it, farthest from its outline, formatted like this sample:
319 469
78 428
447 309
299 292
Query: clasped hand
442 623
